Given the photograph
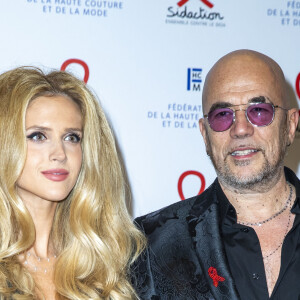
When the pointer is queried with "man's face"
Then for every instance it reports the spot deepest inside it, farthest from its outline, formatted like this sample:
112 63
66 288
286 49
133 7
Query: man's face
244 155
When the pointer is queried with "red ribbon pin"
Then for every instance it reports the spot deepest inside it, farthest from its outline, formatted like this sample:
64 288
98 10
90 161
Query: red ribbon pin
213 274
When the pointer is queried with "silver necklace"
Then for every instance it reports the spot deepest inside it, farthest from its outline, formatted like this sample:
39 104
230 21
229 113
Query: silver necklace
38 259
286 231
275 215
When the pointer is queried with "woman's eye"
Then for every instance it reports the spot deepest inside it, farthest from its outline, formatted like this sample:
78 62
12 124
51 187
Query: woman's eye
73 138
36 136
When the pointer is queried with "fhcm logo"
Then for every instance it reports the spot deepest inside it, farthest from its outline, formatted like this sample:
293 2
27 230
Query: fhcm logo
194 79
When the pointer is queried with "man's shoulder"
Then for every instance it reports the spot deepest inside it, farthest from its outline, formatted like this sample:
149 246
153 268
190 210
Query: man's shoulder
169 267
177 212
177 208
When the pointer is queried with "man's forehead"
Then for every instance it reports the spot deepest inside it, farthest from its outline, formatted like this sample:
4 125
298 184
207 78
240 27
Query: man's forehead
241 70
245 59
241 73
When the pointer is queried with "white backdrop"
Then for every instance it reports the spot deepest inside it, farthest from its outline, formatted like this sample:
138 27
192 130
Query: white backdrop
146 61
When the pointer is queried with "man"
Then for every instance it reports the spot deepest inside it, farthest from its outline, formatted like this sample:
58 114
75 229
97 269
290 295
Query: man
240 238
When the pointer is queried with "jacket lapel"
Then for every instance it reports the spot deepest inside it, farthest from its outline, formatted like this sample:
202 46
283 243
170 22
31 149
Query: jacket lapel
204 228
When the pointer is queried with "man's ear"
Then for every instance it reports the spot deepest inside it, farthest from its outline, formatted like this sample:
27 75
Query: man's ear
203 131
293 120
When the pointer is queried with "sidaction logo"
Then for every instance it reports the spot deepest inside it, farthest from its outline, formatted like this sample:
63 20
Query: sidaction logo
297 87
207 3
200 13
183 176
79 62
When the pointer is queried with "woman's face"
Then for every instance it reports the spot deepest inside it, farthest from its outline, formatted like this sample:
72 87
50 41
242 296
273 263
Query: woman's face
54 131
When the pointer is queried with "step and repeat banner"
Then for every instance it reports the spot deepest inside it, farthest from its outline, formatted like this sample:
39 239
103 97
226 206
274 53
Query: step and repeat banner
147 61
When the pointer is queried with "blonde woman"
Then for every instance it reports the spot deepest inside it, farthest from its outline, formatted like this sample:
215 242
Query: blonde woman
64 228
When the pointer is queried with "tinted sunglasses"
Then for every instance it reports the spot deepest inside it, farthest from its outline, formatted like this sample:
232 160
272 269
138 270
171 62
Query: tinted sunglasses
258 114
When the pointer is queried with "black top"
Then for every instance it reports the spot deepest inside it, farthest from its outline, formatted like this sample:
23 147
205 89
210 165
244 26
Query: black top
196 251
245 257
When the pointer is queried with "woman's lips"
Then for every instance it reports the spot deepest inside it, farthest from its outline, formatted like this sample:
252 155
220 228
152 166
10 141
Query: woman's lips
56 174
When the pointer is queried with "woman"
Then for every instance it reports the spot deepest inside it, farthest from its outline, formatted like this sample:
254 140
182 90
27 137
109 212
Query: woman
64 229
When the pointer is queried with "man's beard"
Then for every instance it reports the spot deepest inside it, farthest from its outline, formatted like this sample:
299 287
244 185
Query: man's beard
268 172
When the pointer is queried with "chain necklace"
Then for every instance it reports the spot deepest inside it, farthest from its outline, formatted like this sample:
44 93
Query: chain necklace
39 260
286 231
276 214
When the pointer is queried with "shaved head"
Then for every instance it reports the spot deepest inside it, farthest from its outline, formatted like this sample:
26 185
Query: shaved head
239 67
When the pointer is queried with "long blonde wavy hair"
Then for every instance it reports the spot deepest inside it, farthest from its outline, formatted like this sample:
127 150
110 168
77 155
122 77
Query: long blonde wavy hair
92 231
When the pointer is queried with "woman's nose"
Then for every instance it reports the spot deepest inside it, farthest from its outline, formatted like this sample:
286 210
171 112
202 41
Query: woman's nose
57 151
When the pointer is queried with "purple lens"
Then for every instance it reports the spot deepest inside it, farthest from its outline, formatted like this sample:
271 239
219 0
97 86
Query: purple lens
220 119
260 114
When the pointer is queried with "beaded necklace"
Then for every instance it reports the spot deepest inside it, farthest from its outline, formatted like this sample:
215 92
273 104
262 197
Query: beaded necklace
39 260
286 231
275 215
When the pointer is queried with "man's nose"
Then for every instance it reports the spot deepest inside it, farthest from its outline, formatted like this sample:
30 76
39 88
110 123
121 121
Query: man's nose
57 151
241 128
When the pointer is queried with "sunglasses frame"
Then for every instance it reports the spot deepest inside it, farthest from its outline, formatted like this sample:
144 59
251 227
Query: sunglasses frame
245 110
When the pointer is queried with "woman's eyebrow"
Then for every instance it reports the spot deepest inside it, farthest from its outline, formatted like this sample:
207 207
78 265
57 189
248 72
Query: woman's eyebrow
37 127
42 128
73 129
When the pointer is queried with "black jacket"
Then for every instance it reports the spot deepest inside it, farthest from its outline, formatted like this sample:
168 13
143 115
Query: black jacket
185 258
